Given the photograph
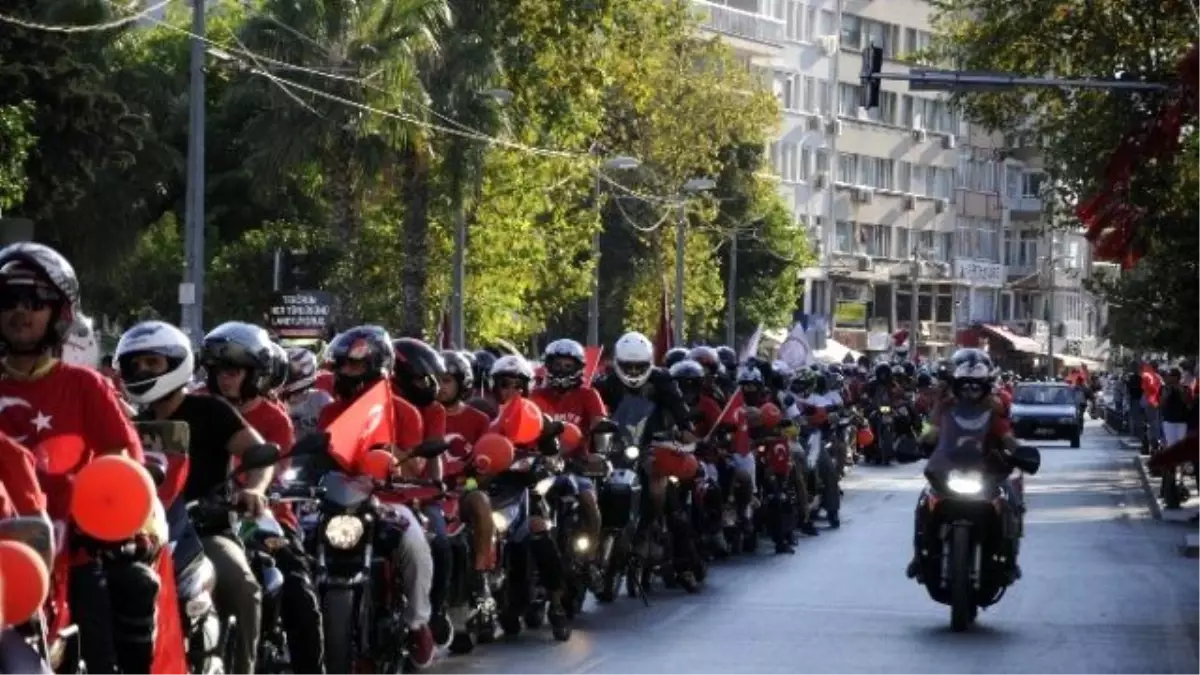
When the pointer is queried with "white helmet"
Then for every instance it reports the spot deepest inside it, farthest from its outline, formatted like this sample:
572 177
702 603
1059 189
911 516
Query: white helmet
165 340
512 365
633 359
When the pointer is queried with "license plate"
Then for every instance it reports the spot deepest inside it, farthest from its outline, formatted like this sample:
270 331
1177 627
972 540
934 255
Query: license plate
1044 432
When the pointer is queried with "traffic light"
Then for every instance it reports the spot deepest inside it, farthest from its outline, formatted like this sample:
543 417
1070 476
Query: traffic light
872 64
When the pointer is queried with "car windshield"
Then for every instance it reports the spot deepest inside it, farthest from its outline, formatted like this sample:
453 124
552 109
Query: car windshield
1043 395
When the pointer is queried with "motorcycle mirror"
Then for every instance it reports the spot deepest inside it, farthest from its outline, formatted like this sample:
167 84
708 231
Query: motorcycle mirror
37 533
259 457
431 448
1027 459
553 428
158 474
605 427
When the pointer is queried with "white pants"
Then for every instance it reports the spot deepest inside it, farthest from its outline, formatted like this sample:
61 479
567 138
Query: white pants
1173 432
416 567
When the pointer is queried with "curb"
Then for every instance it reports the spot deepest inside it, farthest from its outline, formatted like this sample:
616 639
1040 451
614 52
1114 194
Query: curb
1191 545
1148 488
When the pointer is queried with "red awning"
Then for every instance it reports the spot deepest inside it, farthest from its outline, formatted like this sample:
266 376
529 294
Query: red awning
1018 342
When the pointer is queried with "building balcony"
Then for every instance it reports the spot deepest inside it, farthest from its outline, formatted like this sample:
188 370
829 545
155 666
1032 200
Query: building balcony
749 31
1024 206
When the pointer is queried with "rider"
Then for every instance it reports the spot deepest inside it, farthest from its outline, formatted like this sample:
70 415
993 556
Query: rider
362 357
304 400
689 377
715 374
510 377
567 399
953 422
470 424
39 296
240 362
816 407
481 398
416 377
729 363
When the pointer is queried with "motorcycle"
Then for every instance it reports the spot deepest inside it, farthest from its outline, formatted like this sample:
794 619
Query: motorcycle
673 554
470 606
360 599
778 486
31 647
885 436
967 553
619 495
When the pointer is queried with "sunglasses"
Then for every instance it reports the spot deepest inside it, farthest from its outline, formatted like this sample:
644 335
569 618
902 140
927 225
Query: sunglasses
509 383
34 298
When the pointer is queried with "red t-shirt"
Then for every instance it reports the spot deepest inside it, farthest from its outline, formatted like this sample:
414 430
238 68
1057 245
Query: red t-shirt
324 381
464 426
275 426
433 418
20 494
581 406
408 429
1151 386
65 417
711 410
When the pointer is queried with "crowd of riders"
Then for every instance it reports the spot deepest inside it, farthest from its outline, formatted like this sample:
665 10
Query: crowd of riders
507 490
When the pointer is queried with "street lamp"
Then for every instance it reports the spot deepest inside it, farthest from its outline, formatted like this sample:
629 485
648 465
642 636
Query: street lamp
458 332
619 163
693 186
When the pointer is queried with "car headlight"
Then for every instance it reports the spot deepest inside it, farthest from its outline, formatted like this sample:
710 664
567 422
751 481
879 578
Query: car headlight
965 482
1066 420
344 532
543 486
632 452
500 521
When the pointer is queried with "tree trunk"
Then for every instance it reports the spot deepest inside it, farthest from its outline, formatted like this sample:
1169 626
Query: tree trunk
414 267
345 216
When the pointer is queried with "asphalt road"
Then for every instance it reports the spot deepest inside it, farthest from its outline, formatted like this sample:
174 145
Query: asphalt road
1105 590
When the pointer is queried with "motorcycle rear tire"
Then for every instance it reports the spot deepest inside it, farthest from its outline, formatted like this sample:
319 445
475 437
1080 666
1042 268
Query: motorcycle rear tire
962 597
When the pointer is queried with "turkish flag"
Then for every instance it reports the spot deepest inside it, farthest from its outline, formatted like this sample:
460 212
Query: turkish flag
664 339
170 655
591 363
369 421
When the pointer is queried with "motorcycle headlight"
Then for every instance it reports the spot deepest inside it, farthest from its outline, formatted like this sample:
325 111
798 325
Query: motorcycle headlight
582 543
544 485
632 452
965 482
344 532
883 410
289 476
500 521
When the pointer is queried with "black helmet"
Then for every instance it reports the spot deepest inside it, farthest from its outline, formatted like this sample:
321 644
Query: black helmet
235 344
973 372
417 372
674 355
42 275
370 345
728 358
281 367
461 369
883 372
924 379
484 360
707 357
687 370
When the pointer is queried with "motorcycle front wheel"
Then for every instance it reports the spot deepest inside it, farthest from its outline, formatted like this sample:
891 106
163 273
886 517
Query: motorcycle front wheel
962 597
337 607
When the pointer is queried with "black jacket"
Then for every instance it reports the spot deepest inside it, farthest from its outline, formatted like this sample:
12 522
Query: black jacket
670 410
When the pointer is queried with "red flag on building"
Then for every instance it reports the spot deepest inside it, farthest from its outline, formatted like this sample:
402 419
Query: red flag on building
664 339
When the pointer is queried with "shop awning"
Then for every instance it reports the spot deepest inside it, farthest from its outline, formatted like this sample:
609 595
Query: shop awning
834 352
1018 342
1075 362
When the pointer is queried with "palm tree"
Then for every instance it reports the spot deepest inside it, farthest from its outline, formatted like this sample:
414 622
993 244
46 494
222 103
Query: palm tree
369 52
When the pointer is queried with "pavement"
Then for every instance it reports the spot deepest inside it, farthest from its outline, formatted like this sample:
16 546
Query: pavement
1104 591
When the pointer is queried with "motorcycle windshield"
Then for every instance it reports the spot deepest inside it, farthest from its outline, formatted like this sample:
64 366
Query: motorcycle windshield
632 416
344 490
962 434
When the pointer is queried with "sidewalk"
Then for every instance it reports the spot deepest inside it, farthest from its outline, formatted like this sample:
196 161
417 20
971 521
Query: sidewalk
1186 516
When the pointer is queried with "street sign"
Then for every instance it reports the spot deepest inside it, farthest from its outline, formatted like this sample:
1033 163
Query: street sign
301 314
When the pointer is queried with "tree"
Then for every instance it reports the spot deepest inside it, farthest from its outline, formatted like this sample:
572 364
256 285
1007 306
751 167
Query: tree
15 143
1138 40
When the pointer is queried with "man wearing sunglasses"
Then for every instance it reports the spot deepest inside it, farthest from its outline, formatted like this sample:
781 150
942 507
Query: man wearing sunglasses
50 406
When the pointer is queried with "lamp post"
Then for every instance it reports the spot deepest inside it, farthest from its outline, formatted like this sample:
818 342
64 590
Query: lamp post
731 288
693 186
191 290
458 332
619 163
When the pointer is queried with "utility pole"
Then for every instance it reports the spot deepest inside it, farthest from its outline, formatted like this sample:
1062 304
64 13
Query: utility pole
829 232
679 251
914 335
191 291
593 333
1050 314
731 291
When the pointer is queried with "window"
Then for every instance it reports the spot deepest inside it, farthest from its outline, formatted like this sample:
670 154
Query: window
942 181
1010 249
810 23
902 250
795 19
786 90
920 183
844 237
852 32
963 245
847 168
826 97
925 243
877 240
906 111
773 156
848 99
916 41
989 240
1031 184
791 162
883 35
1012 182
945 246
805 163
808 100
1027 253
825 24
886 112
885 173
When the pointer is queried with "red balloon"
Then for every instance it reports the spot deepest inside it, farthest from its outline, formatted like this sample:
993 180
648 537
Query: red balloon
26 582
113 498
571 437
770 415
377 464
521 421
61 454
493 453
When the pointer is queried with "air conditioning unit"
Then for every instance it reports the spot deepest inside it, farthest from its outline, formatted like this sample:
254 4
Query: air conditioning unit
829 44
940 205
814 124
864 195
865 264
910 202
819 181
835 127
949 142
920 135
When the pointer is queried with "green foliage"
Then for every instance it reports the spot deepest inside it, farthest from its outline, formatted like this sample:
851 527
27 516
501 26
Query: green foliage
373 199
15 143
1079 130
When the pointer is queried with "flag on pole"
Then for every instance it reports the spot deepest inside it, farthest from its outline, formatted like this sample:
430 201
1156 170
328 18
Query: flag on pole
795 350
751 347
664 339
